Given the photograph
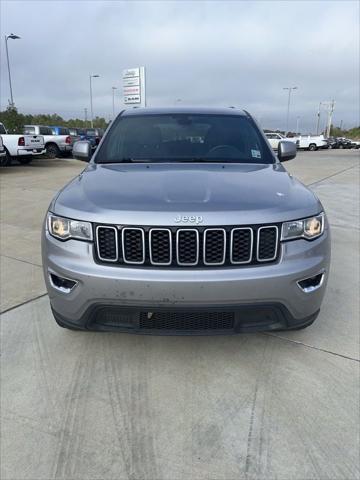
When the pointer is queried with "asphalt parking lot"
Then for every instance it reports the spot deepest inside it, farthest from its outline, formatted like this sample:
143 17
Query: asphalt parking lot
103 406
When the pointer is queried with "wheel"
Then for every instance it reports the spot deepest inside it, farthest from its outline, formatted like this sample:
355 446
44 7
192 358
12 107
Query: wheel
341 145
5 160
312 147
52 150
25 161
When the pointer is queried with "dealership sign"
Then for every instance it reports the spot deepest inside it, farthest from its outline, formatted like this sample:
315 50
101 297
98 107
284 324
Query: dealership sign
134 86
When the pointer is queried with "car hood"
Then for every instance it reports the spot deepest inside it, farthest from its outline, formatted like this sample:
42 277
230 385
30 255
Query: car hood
155 194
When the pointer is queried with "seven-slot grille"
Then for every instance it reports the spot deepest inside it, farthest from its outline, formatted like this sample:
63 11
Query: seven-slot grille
186 247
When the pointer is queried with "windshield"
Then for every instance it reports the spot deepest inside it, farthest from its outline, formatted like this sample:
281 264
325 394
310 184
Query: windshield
184 138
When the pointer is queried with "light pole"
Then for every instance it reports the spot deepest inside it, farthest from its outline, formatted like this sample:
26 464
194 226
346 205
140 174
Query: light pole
288 106
318 119
113 100
297 124
13 37
91 102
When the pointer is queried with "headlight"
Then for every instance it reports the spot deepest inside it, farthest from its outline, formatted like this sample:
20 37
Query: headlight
308 228
65 228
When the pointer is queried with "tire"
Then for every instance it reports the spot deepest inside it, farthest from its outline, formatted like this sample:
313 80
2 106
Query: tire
5 161
341 146
52 150
25 161
312 147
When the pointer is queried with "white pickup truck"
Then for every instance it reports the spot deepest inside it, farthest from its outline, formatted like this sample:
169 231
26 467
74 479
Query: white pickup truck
23 148
311 142
275 137
58 141
2 150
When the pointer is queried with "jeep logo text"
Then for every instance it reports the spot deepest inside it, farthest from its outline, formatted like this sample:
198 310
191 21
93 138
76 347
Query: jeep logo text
189 219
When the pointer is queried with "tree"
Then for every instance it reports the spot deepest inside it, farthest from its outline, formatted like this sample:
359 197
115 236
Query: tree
12 120
15 121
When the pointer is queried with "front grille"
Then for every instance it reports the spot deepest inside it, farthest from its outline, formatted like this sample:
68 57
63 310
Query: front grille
241 245
160 246
187 242
187 247
133 245
190 321
107 243
214 246
267 243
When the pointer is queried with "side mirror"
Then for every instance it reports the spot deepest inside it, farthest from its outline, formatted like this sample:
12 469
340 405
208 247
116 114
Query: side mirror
286 150
82 150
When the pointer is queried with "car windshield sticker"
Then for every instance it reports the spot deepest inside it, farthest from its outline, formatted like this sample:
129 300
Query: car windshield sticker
255 153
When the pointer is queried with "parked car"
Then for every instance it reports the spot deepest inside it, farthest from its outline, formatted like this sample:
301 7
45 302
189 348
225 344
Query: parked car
2 150
162 233
56 144
93 135
76 134
343 142
332 142
275 138
23 148
311 142
64 132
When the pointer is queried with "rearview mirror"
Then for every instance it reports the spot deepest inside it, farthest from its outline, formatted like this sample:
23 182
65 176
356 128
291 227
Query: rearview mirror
286 150
82 150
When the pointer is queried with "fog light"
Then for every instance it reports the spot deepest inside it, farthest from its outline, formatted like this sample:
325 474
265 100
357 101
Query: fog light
62 284
311 283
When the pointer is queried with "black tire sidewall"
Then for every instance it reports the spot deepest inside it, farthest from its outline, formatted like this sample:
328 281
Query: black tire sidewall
5 161
52 151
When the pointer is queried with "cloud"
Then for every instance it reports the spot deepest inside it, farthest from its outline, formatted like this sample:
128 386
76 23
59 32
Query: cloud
204 53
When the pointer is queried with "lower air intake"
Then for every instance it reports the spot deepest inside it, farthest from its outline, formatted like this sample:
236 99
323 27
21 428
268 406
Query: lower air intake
190 321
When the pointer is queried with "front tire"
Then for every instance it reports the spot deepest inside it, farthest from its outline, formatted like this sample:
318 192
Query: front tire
312 147
24 161
52 151
5 160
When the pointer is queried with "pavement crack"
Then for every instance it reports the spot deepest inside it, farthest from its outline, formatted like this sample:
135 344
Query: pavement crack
23 303
324 350
332 175
20 260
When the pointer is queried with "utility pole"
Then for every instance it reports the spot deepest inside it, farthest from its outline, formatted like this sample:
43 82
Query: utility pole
12 36
331 111
91 101
113 101
318 119
341 124
288 106
85 111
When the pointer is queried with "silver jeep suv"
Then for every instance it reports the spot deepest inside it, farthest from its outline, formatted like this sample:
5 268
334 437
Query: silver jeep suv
185 222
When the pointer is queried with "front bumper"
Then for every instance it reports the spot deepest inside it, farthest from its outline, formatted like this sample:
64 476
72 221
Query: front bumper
269 291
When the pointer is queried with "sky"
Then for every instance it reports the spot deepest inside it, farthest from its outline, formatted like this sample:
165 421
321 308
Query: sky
217 53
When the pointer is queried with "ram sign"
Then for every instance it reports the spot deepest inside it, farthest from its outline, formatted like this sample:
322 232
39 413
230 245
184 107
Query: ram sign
134 86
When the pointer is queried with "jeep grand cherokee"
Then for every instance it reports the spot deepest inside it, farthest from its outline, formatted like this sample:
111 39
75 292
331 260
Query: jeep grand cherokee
185 221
